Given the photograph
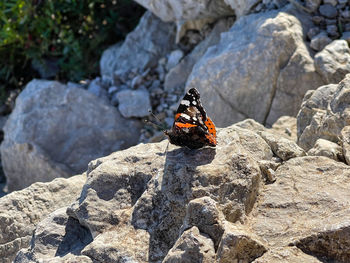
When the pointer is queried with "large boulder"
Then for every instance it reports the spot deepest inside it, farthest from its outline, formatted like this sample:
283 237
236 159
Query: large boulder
140 195
324 113
142 48
55 130
21 211
250 75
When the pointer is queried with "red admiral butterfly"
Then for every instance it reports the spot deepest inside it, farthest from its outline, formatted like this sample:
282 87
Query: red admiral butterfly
192 127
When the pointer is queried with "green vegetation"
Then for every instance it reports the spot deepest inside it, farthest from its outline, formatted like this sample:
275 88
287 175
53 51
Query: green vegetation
70 34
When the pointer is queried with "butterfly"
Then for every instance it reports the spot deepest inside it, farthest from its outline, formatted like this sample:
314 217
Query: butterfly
192 127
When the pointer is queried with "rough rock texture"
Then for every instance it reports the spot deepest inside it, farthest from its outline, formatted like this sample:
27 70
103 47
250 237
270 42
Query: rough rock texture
242 7
345 137
286 126
153 198
333 62
282 147
310 195
134 103
57 235
55 130
142 48
326 148
177 76
286 254
21 211
176 10
324 113
250 75
192 247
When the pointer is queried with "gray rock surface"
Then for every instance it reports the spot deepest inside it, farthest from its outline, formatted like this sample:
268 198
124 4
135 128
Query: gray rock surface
319 41
345 138
133 103
177 76
333 62
286 254
142 48
324 113
255 76
21 211
310 195
286 126
328 11
95 87
184 10
242 7
54 131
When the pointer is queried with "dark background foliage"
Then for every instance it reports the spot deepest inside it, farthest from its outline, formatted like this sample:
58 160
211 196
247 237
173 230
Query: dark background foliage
58 39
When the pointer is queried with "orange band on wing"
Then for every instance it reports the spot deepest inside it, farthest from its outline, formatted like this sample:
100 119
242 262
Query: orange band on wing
184 125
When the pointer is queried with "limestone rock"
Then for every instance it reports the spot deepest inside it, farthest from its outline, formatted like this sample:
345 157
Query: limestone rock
21 211
331 244
309 195
192 247
282 147
286 254
333 62
142 48
134 103
54 131
326 148
56 236
242 7
184 10
143 186
286 126
123 245
324 113
345 138
174 58
255 76
177 76
238 245
319 41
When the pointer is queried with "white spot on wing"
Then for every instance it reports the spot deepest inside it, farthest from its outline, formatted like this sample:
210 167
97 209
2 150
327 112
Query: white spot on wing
185 102
194 102
185 116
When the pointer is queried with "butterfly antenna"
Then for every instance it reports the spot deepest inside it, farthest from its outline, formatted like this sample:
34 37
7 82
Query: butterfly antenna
154 116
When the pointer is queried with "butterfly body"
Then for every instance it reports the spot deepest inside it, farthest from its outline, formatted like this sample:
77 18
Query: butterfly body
192 128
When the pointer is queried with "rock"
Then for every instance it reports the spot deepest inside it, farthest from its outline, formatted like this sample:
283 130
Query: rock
57 235
242 7
324 113
345 138
46 67
326 148
331 2
204 214
142 48
309 195
332 243
328 11
261 81
238 245
268 169
333 62
133 103
312 5
174 58
21 211
192 246
282 147
148 190
332 31
54 131
313 32
286 126
177 76
286 254
319 41
125 245
96 89
174 10
346 37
